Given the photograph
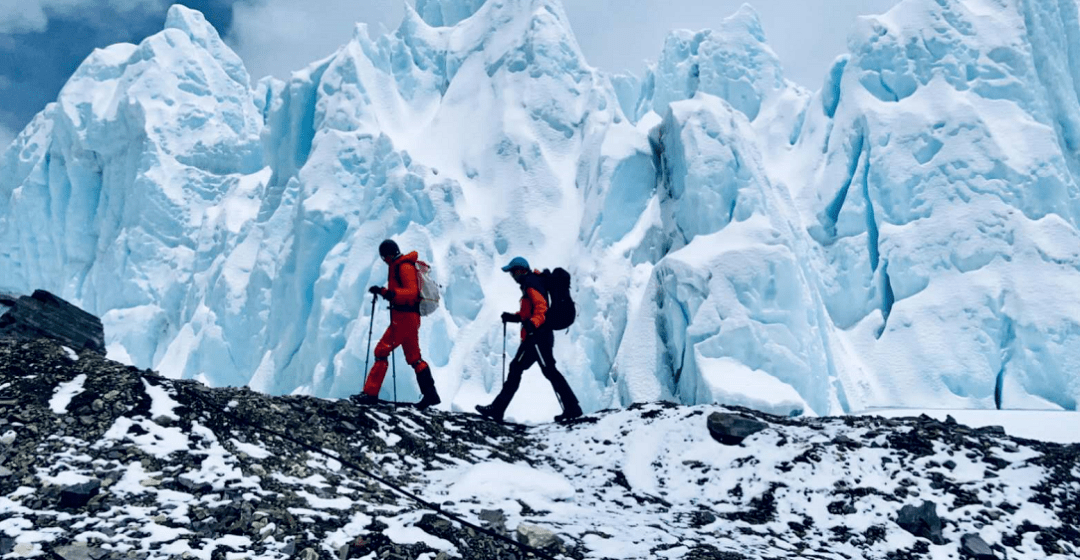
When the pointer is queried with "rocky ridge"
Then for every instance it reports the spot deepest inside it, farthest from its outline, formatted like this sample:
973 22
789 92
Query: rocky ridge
104 461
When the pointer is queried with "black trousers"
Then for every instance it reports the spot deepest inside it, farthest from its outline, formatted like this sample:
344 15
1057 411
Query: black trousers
536 348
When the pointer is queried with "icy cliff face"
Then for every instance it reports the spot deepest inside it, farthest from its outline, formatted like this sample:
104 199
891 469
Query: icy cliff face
907 235
118 193
946 203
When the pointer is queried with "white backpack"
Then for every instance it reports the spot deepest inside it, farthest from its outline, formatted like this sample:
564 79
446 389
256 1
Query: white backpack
429 288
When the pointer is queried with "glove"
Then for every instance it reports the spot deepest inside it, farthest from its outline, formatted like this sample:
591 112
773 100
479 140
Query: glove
377 290
389 295
529 327
511 318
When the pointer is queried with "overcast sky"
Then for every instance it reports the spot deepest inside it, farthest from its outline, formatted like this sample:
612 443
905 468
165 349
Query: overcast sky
43 41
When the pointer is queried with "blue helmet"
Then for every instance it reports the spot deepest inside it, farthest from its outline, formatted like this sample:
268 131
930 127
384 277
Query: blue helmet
516 262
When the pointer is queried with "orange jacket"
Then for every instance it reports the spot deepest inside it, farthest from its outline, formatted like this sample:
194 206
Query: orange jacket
533 305
402 279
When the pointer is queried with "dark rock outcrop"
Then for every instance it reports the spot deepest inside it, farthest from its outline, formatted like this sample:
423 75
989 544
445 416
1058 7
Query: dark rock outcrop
78 495
922 521
44 315
732 429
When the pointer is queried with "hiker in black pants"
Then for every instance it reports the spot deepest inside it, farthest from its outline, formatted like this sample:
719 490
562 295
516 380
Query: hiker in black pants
537 343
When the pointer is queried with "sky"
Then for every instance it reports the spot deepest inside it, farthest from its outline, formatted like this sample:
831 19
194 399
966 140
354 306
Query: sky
42 42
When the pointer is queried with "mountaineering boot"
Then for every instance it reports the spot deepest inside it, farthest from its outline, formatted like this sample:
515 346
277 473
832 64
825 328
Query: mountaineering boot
572 411
364 398
489 411
427 389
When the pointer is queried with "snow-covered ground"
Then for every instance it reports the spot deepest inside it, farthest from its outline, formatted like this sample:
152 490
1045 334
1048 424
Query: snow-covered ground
109 460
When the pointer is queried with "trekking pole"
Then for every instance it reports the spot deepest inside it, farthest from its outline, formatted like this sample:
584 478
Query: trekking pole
393 362
504 353
371 328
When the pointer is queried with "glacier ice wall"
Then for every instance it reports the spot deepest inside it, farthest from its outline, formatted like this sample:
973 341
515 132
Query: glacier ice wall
114 193
906 235
946 202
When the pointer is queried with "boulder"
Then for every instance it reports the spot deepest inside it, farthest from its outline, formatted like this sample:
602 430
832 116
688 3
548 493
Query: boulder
972 546
44 315
922 521
732 429
78 495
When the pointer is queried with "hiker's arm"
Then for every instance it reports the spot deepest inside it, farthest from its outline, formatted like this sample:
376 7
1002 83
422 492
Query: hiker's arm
409 292
539 307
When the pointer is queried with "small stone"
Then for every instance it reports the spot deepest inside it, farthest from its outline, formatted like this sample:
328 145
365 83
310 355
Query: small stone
78 495
537 537
972 546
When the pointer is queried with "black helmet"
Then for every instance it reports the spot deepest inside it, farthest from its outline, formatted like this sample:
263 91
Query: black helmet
388 249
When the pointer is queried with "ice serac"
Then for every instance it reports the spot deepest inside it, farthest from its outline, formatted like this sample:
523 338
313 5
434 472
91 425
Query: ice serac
907 235
110 195
947 202
731 313
439 13
733 62
468 142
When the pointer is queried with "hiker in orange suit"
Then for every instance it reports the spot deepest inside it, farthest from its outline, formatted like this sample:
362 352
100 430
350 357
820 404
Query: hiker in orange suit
403 293
537 346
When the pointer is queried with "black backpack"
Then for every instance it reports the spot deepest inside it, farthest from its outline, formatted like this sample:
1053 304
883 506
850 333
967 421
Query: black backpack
561 310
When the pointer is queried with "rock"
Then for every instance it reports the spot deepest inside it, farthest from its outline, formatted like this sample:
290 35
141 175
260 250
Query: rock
78 495
922 521
972 546
732 429
80 551
195 486
44 315
537 537
495 519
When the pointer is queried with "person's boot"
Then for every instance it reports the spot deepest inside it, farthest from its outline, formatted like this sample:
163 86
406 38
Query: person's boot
573 410
489 411
430 397
364 398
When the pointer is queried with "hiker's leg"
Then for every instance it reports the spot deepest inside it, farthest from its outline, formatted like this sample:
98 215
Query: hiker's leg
409 328
545 344
410 344
383 349
525 358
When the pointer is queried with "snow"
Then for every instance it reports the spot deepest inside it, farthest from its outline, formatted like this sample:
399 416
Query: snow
161 403
399 531
504 481
904 237
71 353
155 440
64 393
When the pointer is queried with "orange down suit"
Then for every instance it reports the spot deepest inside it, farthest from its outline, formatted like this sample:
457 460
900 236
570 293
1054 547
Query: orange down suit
404 329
